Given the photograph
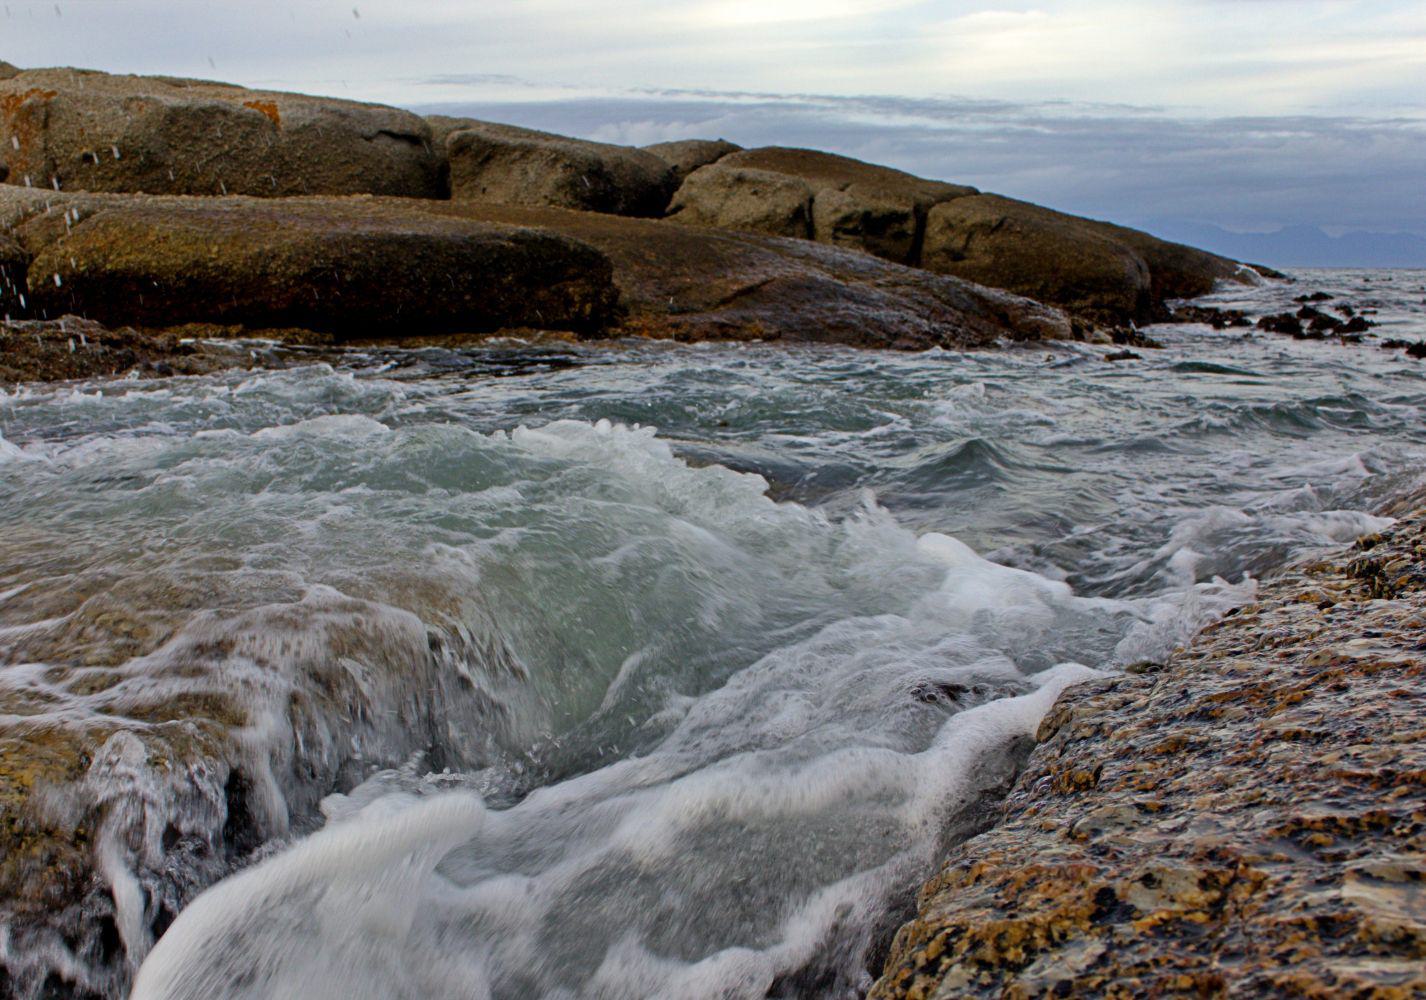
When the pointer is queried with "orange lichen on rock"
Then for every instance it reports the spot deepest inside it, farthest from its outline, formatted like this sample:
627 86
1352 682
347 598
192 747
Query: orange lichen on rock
268 108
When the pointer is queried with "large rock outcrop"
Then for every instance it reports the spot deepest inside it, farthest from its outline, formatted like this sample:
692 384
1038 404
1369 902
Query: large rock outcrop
507 165
89 131
855 204
1248 819
351 266
8 70
686 155
391 268
687 283
1106 272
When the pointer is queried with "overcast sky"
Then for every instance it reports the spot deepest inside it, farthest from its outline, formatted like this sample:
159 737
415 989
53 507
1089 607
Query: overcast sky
1248 114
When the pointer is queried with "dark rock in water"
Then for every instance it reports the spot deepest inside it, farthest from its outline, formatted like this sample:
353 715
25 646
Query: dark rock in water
355 266
686 155
82 130
1219 319
1314 297
1102 271
1236 822
1347 310
1281 323
1322 323
688 283
1133 337
752 201
1357 324
506 165
1122 356
854 204
1413 348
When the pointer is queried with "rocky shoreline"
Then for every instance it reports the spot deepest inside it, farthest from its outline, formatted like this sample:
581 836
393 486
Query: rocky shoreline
1248 818
155 202
145 220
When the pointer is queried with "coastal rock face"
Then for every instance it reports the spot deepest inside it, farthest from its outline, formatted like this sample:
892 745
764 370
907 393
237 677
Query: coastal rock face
356 266
8 70
1105 272
517 166
685 283
82 130
855 204
686 155
1248 819
751 201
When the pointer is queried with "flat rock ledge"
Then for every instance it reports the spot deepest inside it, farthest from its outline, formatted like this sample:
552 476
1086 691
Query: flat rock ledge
1248 819
75 348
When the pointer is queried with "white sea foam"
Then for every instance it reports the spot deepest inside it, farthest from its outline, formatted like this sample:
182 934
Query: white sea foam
361 909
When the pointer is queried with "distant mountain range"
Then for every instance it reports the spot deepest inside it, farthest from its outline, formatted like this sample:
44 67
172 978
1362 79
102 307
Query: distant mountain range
1301 246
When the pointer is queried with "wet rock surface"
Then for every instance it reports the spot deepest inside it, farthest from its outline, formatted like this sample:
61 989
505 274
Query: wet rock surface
345 265
74 348
1246 819
83 130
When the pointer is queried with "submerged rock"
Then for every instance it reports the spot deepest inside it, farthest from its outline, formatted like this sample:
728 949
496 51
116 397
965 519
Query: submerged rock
1285 323
1219 319
82 130
507 165
1247 819
350 266
148 744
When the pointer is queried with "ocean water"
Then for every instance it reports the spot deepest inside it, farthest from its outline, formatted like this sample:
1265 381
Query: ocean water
623 671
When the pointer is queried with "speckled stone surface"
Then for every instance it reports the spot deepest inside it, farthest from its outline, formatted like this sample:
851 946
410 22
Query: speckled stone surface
1248 819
